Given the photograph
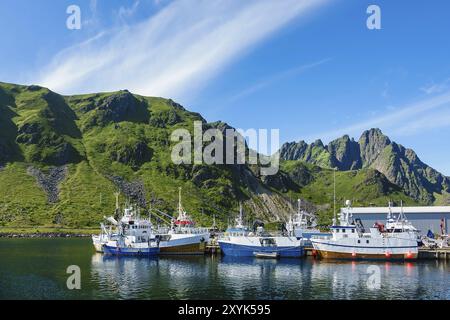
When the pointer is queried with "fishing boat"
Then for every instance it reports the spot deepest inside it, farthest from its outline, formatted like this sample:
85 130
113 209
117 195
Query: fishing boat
183 237
110 232
349 240
242 242
123 247
135 236
304 225
103 238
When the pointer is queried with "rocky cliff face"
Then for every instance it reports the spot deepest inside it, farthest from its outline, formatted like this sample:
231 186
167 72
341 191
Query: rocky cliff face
400 165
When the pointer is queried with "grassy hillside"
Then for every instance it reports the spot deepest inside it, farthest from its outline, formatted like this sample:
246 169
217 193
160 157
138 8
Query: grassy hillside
62 159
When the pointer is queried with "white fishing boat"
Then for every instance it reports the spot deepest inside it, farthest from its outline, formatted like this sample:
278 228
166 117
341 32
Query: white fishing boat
103 238
304 225
135 236
349 240
183 237
240 241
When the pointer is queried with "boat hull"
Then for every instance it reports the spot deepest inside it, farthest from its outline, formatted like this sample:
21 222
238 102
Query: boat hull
331 250
361 256
184 244
98 247
126 251
239 250
187 249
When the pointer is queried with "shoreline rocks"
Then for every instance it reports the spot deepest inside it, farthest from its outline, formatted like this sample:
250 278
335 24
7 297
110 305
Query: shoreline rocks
44 235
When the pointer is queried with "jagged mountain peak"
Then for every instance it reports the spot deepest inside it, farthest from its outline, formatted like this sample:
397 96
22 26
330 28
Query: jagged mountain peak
375 150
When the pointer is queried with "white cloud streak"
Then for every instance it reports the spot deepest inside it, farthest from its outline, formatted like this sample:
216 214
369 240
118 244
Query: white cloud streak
276 78
173 53
435 88
427 114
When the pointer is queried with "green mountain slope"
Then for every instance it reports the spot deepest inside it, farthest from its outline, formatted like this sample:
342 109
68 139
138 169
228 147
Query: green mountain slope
63 157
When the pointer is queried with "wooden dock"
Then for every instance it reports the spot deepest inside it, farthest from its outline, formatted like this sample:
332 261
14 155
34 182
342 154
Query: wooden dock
212 247
435 254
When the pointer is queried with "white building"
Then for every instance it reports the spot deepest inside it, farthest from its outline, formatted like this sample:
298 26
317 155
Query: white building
423 218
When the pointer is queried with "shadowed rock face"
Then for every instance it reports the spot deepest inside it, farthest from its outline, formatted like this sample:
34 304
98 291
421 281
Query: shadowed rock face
131 154
122 106
401 166
345 153
371 144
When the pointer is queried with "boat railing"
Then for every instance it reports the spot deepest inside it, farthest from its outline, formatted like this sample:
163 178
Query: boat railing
321 237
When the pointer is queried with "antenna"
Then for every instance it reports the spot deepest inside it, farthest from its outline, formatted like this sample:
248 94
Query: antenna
179 198
240 210
334 193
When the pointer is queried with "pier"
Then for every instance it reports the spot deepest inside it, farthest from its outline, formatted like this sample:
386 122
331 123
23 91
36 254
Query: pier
435 254
212 247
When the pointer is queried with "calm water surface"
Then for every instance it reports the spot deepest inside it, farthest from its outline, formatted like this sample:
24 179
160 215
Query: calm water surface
36 269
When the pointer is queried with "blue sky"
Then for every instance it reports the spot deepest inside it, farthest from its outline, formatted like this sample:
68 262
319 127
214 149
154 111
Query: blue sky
308 67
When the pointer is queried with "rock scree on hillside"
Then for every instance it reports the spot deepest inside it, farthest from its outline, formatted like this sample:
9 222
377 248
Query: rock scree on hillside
49 182
134 190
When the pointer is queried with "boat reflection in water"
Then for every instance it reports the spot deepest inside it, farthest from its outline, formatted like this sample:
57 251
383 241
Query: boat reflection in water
366 280
227 277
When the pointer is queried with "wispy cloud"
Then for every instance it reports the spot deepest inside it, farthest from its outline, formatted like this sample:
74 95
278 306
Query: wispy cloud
275 78
124 13
434 88
430 113
173 53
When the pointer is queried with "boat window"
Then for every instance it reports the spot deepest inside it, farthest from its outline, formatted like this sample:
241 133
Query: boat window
343 230
353 230
267 242
359 241
367 241
337 230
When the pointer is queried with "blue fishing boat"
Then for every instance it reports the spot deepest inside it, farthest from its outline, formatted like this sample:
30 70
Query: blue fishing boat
132 250
239 241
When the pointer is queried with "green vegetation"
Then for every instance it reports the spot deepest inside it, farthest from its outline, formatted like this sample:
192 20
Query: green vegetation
104 138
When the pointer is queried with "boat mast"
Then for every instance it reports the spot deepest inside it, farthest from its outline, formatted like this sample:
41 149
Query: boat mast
179 201
117 203
240 221
334 196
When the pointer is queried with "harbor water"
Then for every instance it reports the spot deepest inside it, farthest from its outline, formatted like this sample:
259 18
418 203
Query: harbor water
37 269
